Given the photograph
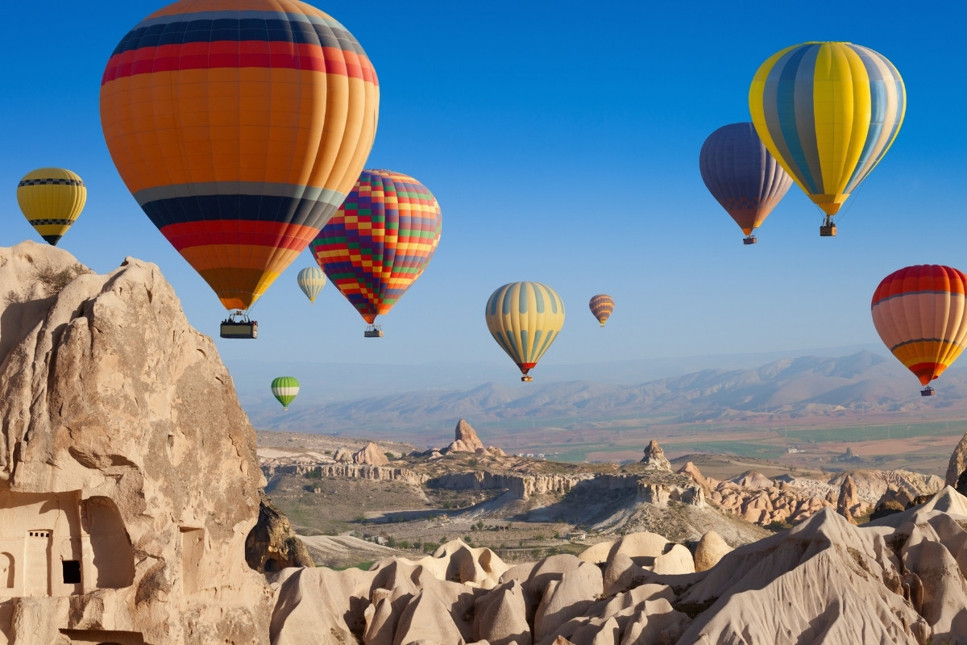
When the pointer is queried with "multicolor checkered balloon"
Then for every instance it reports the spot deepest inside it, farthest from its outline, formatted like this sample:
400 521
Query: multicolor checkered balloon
380 240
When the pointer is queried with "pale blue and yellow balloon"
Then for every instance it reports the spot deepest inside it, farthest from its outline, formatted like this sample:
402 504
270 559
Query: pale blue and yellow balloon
311 280
525 318
828 112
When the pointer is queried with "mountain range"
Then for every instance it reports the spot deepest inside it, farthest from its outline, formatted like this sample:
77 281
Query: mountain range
787 389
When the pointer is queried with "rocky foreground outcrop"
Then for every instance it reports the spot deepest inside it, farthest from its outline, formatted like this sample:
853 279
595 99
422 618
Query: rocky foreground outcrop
128 474
899 580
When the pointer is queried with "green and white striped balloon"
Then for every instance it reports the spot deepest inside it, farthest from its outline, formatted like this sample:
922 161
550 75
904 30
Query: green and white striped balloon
285 388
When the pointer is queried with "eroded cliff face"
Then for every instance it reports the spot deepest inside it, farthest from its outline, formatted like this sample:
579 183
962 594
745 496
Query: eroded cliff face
125 457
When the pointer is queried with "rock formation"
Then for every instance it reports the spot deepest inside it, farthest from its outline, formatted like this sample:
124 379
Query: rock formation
957 464
848 500
371 455
128 474
466 439
897 581
709 550
272 544
655 457
343 456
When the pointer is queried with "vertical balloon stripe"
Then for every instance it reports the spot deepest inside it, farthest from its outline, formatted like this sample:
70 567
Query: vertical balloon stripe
790 101
836 108
541 347
888 106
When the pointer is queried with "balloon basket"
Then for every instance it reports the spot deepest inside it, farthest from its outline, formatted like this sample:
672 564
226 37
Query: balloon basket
750 240
238 325
927 391
827 230
373 332
527 379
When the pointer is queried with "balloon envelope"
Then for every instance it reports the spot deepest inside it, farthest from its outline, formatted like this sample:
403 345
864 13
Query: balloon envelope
828 112
51 199
311 280
525 318
742 175
285 389
602 306
919 313
239 127
380 240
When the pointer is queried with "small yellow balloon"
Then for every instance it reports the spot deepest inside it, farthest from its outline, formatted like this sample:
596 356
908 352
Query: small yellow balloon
51 199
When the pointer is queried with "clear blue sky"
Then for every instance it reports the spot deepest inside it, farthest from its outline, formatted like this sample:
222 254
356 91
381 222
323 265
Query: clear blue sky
562 143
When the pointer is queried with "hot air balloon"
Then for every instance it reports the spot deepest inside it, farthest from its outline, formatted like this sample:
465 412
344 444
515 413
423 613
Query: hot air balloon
828 112
311 280
379 241
285 389
919 312
602 306
525 318
742 175
239 127
51 199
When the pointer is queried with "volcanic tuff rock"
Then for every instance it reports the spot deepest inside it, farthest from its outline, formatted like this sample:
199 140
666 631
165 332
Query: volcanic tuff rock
709 550
958 463
848 499
465 440
272 544
128 474
370 455
897 580
655 457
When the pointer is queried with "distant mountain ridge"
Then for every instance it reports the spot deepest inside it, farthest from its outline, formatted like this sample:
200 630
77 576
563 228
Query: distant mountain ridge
794 388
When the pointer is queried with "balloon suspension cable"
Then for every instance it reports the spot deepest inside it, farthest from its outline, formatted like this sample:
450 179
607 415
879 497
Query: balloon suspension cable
237 316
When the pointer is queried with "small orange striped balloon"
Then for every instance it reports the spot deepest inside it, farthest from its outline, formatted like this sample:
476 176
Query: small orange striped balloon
919 312
602 306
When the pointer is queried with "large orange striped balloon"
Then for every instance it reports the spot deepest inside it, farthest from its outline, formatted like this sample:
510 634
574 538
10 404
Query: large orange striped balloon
239 126
919 312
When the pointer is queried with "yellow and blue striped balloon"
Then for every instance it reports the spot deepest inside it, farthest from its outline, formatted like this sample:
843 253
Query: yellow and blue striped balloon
311 280
828 112
525 318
